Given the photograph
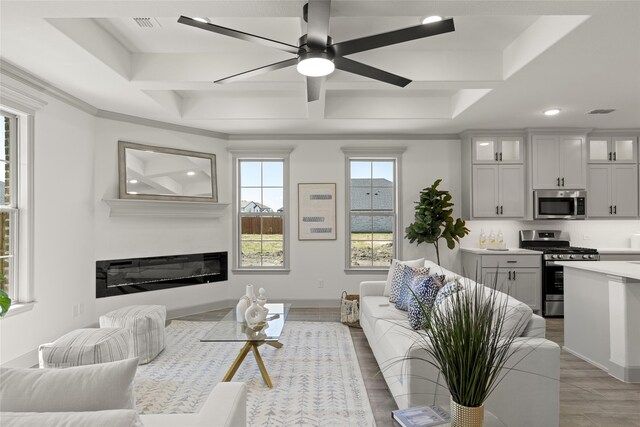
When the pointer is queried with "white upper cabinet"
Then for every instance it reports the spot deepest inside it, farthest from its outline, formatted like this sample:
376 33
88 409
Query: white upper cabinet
559 162
498 191
613 149
498 150
613 191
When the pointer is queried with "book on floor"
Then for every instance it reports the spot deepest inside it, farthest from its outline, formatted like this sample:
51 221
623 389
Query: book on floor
421 416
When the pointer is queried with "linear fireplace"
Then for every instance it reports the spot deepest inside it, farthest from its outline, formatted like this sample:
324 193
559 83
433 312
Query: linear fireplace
126 276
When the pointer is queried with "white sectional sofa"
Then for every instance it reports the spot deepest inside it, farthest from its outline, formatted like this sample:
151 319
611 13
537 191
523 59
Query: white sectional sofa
527 397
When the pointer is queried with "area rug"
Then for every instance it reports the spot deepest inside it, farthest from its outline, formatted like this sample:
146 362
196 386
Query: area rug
316 377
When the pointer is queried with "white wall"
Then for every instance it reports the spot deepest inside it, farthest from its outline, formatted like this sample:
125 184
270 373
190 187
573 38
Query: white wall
64 273
323 161
131 237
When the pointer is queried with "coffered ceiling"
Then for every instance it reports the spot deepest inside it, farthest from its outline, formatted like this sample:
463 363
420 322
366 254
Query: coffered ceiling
506 62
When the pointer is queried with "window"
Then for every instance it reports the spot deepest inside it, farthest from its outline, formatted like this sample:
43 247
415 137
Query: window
372 232
8 206
261 197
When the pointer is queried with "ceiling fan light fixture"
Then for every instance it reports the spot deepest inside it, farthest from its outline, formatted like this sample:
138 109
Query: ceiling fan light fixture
552 112
315 64
432 18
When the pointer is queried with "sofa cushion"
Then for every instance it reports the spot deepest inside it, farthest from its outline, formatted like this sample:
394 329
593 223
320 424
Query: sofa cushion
422 299
392 271
81 388
110 418
402 278
410 279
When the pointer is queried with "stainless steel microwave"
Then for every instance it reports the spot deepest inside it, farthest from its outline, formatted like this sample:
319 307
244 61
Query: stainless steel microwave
559 204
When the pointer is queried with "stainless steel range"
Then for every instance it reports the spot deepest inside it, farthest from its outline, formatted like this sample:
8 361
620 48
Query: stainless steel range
555 246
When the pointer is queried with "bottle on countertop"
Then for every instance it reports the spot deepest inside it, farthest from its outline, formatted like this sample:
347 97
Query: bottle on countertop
492 240
500 240
483 239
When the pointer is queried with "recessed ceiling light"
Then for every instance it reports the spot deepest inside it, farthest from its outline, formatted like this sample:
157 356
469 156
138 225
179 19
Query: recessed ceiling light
133 181
191 173
203 20
431 19
315 64
552 112
484 144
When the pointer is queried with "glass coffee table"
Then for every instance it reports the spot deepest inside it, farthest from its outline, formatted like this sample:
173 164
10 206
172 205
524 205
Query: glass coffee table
230 330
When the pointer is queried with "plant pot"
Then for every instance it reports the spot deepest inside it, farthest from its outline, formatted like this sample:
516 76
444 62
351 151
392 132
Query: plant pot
465 416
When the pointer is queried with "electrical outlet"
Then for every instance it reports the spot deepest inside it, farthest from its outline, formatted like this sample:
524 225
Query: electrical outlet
80 308
320 283
586 237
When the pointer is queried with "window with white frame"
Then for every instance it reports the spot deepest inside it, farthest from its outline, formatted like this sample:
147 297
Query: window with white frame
261 213
372 231
8 207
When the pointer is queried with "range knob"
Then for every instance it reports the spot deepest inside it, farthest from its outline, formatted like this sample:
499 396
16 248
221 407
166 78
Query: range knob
554 256
572 257
591 256
587 256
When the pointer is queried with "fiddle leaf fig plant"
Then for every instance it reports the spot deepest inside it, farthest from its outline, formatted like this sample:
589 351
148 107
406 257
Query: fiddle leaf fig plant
5 301
434 220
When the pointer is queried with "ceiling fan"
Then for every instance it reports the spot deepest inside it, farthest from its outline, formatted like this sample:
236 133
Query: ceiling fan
317 55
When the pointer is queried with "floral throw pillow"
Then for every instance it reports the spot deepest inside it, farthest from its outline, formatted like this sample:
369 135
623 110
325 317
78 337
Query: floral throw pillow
425 291
411 277
447 290
398 279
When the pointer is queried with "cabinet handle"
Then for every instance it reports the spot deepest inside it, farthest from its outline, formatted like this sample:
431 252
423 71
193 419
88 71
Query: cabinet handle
497 207
496 156
610 210
615 209
501 210
563 182
509 276
614 156
558 181
501 156
514 275
609 155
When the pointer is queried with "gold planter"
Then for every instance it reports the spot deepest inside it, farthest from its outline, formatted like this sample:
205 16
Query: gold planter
464 416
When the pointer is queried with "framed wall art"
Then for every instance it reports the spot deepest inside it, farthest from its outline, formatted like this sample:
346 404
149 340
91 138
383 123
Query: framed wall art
317 211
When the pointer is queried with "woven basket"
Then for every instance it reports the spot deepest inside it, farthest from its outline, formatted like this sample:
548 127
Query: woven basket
350 309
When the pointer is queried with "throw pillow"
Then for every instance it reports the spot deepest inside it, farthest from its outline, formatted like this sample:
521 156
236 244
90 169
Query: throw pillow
411 279
425 291
401 279
80 388
392 272
447 290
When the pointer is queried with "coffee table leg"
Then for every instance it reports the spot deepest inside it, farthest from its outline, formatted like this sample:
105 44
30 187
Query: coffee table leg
236 363
275 344
263 369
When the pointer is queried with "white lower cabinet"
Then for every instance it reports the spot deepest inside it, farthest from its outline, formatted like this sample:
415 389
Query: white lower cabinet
519 275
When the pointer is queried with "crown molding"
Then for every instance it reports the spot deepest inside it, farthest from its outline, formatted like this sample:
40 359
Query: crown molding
260 151
373 151
119 117
343 137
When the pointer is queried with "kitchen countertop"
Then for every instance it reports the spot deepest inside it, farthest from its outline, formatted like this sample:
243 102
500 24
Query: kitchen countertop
509 251
615 251
628 269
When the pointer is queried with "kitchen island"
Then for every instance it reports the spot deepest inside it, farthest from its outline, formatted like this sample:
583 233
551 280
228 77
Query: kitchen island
602 315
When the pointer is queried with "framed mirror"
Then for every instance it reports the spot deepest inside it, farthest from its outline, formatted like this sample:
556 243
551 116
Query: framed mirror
155 173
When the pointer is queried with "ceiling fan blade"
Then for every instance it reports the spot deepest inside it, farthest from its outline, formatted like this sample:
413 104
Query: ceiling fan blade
260 70
239 35
393 37
318 23
361 69
314 86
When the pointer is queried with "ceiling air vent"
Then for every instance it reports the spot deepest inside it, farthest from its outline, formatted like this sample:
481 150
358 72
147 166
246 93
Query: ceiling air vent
601 111
147 22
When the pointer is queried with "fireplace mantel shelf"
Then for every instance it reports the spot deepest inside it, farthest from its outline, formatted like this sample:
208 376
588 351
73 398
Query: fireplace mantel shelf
167 209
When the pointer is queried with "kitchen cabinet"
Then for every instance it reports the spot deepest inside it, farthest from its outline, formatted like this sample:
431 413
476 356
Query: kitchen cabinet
613 191
519 274
498 150
558 162
614 149
498 191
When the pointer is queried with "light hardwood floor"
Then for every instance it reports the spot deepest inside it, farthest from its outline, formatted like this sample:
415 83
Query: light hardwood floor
589 397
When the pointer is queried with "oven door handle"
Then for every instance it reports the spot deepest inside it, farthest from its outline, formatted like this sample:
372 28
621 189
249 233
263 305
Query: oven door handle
551 264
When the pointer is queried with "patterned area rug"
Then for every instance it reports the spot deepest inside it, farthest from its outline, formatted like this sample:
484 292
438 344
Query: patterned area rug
316 377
